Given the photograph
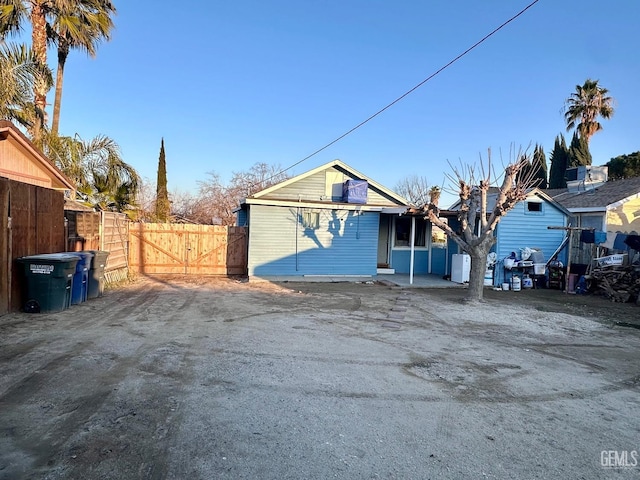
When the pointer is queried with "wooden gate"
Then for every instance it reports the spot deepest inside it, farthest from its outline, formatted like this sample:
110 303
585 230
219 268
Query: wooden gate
163 248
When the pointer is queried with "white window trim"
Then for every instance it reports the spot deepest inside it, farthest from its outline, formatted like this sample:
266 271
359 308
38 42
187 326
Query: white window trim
408 247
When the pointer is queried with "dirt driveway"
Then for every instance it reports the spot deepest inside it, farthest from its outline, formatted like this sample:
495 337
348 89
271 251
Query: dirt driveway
219 379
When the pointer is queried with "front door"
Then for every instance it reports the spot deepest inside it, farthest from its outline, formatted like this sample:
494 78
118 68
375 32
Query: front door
383 241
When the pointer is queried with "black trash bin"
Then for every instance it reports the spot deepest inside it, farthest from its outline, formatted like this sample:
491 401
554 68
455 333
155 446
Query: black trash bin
81 277
95 285
49 281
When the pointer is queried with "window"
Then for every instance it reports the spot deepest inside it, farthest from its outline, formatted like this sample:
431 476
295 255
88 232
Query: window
403 232
533 207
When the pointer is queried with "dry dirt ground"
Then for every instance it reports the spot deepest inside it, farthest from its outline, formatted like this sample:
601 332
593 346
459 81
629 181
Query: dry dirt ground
221 379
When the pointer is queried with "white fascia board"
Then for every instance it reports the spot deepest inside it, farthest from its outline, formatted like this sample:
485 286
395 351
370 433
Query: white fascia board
333 163
588 210
328 206
623 201
394 210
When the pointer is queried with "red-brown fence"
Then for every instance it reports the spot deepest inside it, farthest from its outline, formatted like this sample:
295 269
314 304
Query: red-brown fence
31 222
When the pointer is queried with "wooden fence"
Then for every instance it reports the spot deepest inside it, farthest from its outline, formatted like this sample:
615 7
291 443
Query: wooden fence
107 231
31 222
83 230
162 248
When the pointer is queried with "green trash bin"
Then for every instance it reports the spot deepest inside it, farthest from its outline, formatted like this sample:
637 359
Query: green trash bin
95 285
49 281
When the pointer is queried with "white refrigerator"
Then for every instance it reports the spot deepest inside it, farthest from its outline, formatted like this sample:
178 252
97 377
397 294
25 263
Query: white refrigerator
460 267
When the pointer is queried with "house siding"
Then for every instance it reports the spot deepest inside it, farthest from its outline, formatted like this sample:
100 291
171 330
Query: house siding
624 217
401 261
519 229
241 218
313 189
343 243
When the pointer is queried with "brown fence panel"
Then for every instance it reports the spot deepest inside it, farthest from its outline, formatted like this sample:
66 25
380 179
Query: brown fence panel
159 248
36 225
83 231
5 250
49 228
237 251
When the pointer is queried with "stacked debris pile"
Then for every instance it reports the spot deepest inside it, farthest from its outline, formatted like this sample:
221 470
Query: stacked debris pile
619 283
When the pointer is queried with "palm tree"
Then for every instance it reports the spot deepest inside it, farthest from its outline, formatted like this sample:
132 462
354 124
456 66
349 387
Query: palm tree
80 25
13 13
19 70
103 179
585 105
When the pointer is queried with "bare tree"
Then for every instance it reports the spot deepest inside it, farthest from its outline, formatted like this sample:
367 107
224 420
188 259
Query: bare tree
478 219
415 189
145 201
258 177
217 201
184 207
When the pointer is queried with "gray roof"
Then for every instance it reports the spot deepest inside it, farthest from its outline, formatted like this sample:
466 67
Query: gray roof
610 192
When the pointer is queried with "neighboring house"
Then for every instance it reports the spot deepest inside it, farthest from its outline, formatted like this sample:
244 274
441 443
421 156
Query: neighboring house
611 206
526 225
21 161
332 220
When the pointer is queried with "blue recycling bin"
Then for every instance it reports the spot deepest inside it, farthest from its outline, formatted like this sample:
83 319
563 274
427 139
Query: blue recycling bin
81 277
49 279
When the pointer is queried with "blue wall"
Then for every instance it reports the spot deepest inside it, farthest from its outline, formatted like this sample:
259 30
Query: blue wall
401 261
241 217
521 228
344 243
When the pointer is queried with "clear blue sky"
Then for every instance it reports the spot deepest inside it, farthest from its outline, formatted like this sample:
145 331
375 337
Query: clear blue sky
229 84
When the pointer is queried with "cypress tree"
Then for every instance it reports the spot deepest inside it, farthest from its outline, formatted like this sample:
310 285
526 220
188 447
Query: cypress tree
559 161
162 196
579 153
539 163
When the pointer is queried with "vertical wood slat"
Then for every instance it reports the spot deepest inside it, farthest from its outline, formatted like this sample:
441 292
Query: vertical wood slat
114 238
187 249
37 226
84 231
5 250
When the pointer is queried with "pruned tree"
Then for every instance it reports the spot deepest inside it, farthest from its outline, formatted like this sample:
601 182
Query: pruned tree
479 214
414 188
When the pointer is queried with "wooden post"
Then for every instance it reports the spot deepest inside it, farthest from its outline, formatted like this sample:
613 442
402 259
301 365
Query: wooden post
570 231
566 282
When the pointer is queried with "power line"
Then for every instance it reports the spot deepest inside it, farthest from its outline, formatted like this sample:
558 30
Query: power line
441 69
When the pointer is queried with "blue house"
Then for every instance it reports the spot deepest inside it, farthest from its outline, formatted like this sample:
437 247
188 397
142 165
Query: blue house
332 221
526 225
